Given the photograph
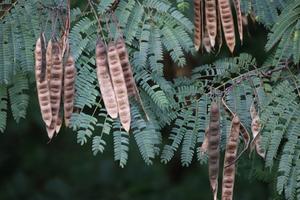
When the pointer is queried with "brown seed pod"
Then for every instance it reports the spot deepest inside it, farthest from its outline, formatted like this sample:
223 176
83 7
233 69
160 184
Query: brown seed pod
230 156
104 79
213 136
42 84
256 128
197 24
237 5
55 84
227 23
127 70
69 88
119 85
211 20
203 148
49 60
206 41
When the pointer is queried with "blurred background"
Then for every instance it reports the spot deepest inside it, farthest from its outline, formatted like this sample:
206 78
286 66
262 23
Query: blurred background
33 169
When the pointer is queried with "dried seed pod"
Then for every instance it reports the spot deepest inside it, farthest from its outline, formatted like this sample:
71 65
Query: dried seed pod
227 23
55 84
119 85
49 60
230 156
127 70
104 79
213 136
42 84
206 41
197 24
69 88
211 20
255 128
237 5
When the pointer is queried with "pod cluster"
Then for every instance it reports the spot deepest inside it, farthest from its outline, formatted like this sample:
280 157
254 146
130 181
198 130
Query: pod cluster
115 79
212 19
211 145
55 82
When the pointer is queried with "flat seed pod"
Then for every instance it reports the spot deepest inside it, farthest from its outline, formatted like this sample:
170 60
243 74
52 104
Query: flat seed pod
255 129
230 156
126 66
69 88
42 84
197 24
227 23
104 79
55 84
237 5
49 60
119 85
206 41
211 20
213 149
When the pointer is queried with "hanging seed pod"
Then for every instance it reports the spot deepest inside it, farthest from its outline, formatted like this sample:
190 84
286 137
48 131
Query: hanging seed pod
197 24
237 5
213 136
119 85
42 84
230 156
206 41
49 60
55 85
227 23
127 70
69 88
203 148
256 128
104 79
211 20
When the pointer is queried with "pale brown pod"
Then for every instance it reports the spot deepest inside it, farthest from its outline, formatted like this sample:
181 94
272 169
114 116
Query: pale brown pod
49 60
69 88
206 41
119 85
197 24
127 70
42 84
55 84
203 148
230 156
255 129
211 20
213 149
104 79
227 23
237 5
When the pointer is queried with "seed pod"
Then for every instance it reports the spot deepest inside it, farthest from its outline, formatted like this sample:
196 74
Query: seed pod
227 23
211 20
104 79
255 128
127 70
213 147
230 156
69 88
49 60
197 24
119 85
206 41
55 84
42 85
237 5
203 148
